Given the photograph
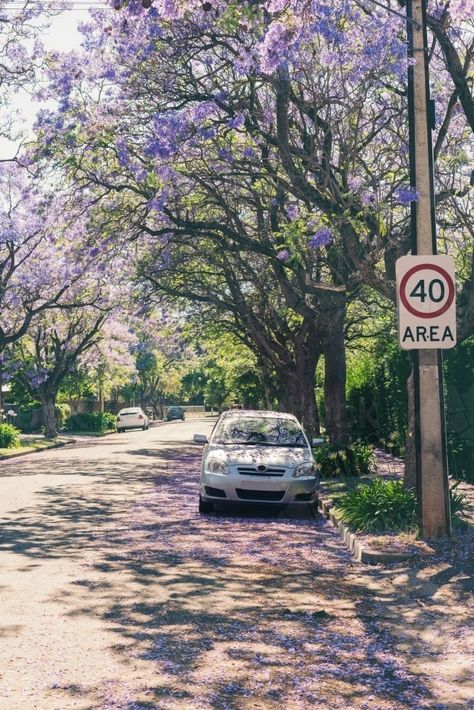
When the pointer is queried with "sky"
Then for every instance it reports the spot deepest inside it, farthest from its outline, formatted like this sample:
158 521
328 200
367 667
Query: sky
62 35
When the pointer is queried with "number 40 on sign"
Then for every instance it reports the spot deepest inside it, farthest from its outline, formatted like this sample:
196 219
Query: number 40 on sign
426 300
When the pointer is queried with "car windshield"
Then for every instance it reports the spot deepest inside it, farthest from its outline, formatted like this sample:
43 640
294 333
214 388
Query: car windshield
254 431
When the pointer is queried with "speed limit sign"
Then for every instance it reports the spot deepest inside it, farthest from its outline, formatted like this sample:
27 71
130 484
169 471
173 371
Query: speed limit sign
426 300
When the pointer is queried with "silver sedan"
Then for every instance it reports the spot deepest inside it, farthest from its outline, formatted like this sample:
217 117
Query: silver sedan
257 457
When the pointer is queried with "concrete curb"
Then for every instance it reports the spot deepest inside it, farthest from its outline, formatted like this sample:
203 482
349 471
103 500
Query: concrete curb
38 451
361 553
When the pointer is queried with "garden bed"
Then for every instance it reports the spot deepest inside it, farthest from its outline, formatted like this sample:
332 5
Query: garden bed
391 468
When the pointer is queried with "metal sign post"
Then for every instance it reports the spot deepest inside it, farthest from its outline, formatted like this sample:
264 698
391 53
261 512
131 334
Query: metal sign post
430 438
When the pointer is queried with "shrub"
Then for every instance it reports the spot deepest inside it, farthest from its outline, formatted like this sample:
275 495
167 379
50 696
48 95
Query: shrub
107 421
62 412
459 502
379 506
9 437
342 461
96 421
377 393
460 457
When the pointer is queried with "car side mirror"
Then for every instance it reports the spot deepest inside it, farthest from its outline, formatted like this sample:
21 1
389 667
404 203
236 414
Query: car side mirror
200 439
317 442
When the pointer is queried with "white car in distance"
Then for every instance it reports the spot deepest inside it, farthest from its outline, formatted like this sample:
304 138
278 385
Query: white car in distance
256 457
131 418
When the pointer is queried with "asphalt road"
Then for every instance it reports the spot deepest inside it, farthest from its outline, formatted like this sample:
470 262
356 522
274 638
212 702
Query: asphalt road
116 593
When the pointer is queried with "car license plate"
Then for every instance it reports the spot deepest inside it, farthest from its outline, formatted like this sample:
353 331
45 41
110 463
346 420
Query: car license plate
262 484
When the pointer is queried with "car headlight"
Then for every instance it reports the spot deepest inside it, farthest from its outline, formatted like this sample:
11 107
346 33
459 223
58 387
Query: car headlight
216 466
305 469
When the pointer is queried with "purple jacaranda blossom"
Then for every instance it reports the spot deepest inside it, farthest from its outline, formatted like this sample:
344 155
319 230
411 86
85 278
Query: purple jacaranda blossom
225 154
274 48
405 195
204 110
283 255
329 30
249 153
157 202
243 63
236 121
321 238
277 5
354 182
292 211
122 152
368 198
208 132
221 95
37 376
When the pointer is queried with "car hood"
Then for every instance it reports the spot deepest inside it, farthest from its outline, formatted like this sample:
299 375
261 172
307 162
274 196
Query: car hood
256 455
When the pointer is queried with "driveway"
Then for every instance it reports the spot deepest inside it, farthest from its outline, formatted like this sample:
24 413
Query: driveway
116 593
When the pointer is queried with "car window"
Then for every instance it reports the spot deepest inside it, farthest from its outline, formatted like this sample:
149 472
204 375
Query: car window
269 431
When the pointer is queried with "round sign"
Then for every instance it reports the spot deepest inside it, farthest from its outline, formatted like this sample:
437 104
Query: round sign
431 294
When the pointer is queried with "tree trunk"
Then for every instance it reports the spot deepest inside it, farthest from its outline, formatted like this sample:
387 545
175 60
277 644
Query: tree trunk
48 402
1 400
409 476
334 350
101 399
296 386
267 383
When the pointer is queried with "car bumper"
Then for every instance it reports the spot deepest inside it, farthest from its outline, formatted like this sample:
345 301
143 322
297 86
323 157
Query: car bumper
236 489
131 425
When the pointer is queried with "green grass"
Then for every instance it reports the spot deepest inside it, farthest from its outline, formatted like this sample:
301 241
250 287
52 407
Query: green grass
30 444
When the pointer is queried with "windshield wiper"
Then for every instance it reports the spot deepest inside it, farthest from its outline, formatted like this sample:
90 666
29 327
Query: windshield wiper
261 443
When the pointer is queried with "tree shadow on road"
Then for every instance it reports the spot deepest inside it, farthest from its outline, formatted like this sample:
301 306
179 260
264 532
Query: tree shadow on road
244 607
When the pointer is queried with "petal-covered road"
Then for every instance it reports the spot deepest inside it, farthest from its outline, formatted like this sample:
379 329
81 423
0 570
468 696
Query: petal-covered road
116 593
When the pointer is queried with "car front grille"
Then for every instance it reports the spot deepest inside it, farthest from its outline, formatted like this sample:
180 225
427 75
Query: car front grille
259 495
253 471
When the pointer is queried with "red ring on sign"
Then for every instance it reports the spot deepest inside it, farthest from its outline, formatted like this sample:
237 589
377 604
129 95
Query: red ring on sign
449 283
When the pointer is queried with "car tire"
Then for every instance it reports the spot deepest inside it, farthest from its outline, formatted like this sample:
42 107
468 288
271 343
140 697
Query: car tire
205 506
144 427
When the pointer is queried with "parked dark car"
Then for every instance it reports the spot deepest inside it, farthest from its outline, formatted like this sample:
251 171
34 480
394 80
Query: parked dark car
174 413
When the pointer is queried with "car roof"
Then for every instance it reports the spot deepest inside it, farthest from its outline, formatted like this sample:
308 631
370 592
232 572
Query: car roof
263 414
130 410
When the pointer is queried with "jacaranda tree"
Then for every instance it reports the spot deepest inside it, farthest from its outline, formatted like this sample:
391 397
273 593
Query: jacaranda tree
263 143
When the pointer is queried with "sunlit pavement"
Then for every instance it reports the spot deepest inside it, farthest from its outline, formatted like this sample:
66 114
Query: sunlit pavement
116 593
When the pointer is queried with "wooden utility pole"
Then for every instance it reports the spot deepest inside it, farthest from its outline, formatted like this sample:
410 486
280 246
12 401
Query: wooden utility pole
430 434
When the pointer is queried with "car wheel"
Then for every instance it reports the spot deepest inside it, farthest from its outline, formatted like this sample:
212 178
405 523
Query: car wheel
144 427
205 506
